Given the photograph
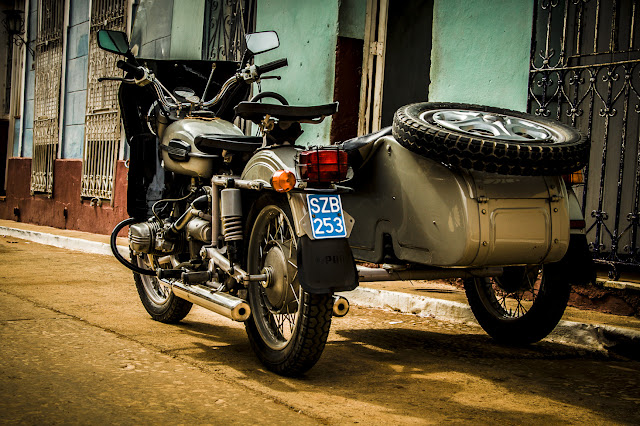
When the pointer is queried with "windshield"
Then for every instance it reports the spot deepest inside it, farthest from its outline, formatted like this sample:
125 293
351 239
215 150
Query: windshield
187 29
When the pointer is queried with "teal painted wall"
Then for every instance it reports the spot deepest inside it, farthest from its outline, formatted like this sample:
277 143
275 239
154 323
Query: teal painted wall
351 18
308 35
75 98
480 52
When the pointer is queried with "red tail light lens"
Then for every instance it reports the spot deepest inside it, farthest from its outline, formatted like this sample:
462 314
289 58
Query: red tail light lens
324 165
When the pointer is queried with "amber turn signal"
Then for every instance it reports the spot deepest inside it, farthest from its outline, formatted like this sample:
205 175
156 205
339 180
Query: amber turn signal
283 180
574 178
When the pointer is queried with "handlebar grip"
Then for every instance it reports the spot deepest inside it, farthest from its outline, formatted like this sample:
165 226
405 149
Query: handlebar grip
270 66
138 72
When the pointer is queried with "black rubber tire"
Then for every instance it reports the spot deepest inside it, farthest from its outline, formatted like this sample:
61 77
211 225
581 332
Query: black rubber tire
568 152
530 327
303 348
171 311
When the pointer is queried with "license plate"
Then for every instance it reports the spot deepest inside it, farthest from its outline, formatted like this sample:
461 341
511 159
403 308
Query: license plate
327 219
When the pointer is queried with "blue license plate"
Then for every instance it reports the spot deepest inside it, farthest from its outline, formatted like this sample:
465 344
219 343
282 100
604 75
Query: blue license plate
327 219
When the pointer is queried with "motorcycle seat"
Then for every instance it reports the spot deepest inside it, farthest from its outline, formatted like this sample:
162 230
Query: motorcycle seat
256 111
214 143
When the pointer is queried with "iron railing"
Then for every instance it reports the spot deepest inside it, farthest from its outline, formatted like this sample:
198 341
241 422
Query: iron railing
584 71
48 71
102 119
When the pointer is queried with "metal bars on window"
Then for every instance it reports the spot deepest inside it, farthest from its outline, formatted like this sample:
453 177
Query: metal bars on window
226 22
102 119
48 69
585 72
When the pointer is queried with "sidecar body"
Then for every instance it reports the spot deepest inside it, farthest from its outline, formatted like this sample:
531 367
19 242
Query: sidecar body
416 210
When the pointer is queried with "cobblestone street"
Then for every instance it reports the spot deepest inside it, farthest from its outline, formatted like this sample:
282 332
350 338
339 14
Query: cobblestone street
77 347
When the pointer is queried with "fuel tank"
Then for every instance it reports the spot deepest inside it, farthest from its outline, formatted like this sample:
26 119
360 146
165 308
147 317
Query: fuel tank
179 153
437 216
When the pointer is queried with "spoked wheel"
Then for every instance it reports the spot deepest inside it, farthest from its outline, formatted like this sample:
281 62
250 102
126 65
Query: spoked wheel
522 306
289 327
157 299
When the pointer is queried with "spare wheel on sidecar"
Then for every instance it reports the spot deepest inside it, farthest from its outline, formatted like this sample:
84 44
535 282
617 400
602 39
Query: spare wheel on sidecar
490 139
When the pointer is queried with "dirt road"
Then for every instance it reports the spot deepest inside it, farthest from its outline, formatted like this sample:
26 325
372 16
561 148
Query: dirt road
77 347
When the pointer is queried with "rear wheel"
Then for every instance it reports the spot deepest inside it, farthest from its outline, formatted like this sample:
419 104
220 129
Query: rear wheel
158 299
288 327
522 306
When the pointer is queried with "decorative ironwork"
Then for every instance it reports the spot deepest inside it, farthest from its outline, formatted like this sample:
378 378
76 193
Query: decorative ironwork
585 72
226 22
48 69
102 120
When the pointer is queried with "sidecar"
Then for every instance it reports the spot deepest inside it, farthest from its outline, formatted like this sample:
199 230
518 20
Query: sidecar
474 192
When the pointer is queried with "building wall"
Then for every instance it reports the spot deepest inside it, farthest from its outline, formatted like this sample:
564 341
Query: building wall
481 51
75 97
308 31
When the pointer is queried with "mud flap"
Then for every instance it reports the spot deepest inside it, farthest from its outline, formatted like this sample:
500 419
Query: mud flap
326 266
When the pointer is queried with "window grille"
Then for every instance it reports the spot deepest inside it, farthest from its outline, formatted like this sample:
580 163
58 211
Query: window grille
48 70
226 22
585 71
102 119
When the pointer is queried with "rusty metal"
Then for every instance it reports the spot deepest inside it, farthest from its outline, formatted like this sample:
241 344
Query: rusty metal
584 71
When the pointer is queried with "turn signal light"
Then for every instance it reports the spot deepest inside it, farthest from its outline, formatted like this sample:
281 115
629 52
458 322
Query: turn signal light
574 178
323 165
283 180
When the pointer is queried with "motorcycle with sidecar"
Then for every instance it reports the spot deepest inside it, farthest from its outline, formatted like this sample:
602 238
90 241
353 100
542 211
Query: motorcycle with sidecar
267 232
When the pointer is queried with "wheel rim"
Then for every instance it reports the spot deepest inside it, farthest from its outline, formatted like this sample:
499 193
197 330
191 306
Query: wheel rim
513 295
275 303
492 125
156 292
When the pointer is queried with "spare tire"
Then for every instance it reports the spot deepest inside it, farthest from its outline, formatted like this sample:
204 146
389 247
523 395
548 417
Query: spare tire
489 139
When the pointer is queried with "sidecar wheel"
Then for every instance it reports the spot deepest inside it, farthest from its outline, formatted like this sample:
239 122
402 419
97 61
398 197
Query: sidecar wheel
489 139
521 307
159 301
288 328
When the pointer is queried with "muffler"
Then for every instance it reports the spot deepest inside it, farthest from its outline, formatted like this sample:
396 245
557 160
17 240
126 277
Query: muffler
221 303
340 306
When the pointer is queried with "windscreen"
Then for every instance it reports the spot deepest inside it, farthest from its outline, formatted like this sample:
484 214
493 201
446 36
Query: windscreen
168 29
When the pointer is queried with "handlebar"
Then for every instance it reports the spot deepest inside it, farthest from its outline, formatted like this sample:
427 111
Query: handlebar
271 66
138 72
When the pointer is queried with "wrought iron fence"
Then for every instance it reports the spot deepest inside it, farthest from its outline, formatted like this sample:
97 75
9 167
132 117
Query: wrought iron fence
584 71
48 69
102 119
226 22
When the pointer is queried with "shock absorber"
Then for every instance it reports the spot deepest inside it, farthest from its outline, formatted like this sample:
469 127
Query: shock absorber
231 213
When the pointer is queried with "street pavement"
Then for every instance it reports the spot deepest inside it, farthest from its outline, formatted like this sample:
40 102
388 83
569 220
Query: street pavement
77 347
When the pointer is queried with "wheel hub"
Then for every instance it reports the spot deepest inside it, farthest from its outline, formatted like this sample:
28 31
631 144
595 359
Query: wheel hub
281 285
498 126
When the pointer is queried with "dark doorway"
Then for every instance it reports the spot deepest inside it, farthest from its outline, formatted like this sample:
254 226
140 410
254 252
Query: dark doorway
408 55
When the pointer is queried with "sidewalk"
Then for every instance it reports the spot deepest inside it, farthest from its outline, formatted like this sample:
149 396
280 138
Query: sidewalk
589 329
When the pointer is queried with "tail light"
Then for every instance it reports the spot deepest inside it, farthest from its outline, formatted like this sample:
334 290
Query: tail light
323 165
574 178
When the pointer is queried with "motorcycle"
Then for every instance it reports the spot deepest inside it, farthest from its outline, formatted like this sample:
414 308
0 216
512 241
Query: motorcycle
266 232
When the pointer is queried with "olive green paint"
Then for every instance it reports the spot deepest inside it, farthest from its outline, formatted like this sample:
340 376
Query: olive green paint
308 35
480 52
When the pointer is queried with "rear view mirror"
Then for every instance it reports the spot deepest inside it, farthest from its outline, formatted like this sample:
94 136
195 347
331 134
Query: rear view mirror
113 41
262 41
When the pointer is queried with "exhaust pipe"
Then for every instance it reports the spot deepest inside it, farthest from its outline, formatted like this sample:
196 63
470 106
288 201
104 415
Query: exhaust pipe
340 306
221 303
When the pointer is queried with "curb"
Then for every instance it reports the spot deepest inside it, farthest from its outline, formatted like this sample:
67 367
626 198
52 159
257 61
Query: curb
601 338
70 243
